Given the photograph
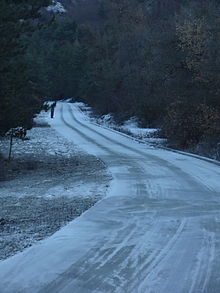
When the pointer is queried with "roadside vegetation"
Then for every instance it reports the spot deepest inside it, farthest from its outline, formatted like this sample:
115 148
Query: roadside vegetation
20 97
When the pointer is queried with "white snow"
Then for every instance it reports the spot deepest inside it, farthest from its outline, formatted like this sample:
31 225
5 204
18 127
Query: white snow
130 127
56 7
156 232
46 141
49 182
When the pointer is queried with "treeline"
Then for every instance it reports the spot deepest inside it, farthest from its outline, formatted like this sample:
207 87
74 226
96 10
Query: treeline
19 95
155 59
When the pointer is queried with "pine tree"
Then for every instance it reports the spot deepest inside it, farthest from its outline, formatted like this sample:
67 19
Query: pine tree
18 98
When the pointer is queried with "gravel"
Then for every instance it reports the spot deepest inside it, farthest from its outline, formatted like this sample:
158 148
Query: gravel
27 220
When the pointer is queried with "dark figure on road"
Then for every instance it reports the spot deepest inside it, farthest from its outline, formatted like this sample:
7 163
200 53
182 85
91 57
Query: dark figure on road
52 109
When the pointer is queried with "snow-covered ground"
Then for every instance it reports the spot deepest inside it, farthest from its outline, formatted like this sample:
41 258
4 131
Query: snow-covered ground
48 183
130 127
157 231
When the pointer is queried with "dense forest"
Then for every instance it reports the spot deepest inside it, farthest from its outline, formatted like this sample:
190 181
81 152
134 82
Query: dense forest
19 96
155 59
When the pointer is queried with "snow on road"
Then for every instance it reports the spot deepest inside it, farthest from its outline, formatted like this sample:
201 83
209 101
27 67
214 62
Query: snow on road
157 231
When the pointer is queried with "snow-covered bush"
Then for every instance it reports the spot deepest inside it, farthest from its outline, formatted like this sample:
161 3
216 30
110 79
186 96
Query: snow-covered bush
19 132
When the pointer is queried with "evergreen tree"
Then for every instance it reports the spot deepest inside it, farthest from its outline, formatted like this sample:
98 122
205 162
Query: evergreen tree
18 98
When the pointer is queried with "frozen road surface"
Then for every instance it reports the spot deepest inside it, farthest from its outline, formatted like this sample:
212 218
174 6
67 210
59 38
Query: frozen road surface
157 231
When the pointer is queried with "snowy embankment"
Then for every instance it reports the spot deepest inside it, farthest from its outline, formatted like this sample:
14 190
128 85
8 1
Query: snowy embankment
149 136
130 127
48 183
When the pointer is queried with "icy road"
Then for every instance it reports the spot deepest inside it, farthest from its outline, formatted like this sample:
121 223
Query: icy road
157 231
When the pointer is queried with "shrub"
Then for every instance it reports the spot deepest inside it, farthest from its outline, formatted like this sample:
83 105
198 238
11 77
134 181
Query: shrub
186 124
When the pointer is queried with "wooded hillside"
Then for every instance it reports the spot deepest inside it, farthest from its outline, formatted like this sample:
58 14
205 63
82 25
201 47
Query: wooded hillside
154 59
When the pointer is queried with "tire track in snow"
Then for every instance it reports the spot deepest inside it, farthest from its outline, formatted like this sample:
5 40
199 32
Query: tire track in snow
117 155
108 150
97 263
152 263
170 166
95 266
138 152
205 257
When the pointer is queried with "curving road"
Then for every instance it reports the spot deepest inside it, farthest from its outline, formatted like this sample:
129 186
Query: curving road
157 231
